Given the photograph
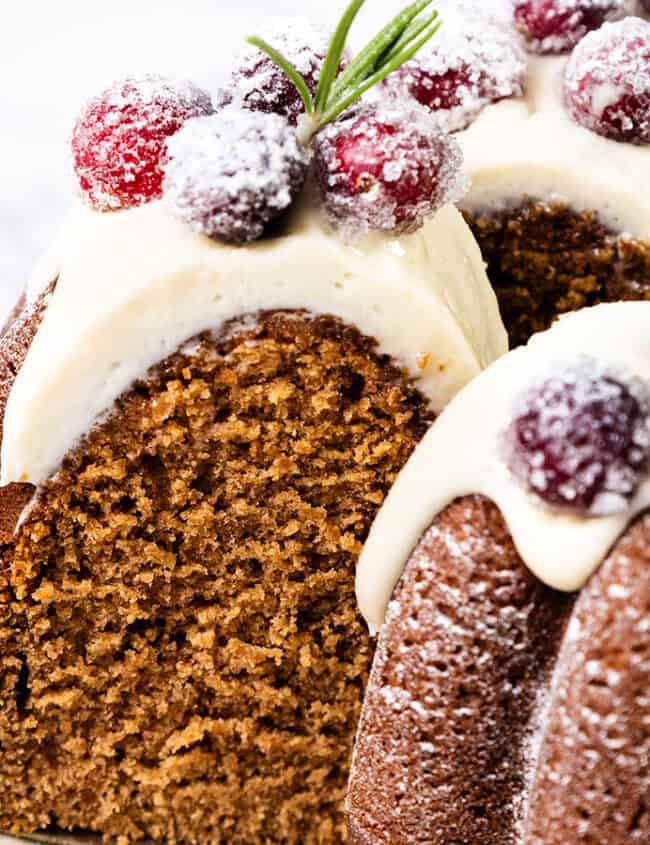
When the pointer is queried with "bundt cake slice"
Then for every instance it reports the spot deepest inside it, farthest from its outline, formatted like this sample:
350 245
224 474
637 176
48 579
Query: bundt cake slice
210 387
509 696
550 106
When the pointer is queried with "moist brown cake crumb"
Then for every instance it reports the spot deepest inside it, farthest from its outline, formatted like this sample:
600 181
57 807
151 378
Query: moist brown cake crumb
181 654
545 259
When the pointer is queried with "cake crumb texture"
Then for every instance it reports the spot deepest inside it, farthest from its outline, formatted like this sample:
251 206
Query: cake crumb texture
544 259
181 654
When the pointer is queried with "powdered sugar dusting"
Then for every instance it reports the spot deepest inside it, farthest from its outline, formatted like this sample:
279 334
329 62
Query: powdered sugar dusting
555 26
230 175
257 84
580 437
593 744
118 142
387 167
453 688
474 60
607 81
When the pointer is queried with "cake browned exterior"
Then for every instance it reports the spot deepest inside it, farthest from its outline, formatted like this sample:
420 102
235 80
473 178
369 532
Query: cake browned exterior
500 710
545 259
15 340
182 655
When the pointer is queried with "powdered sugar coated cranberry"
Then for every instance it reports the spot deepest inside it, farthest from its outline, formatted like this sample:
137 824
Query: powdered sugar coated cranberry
580 438
386 167
607 81
230 175
119 140
259 85
555 26
474 60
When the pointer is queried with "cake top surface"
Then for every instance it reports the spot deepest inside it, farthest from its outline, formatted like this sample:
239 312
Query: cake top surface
555 433
531 146
287 193
132 286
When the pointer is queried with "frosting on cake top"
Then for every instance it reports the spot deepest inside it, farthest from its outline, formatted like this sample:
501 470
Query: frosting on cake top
531 147
133 286
463 453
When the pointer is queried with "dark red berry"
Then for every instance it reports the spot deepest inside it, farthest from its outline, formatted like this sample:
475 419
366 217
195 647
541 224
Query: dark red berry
580 438
646 5
472 62
555 26
230 175
386 168
259 85
119 140
607 81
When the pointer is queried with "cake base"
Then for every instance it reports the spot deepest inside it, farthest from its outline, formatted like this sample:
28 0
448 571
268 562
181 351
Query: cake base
545 259
499 710
181 654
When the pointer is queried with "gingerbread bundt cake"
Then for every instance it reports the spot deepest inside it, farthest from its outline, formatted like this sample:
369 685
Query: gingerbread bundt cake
509 697
555 145
205 396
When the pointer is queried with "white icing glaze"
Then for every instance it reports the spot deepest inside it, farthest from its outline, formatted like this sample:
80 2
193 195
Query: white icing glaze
530 147
134 285
461 454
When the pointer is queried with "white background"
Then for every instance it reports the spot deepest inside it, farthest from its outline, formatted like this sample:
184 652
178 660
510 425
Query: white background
54 54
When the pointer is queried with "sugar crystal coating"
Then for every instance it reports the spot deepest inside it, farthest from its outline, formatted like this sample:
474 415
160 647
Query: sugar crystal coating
119 140
256 83
472 61
555 26
386 167
580 437
231 174
607 81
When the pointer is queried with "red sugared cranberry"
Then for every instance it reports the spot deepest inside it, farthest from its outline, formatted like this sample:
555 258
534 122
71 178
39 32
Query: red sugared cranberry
607 81
230 175
472 62
555 26
118 142
259 85
386 168
580 438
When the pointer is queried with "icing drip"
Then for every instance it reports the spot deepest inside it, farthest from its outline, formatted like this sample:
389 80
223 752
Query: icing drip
463 454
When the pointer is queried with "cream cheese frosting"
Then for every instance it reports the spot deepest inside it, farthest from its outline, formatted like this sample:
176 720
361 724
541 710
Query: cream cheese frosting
531 147
461 455
135 285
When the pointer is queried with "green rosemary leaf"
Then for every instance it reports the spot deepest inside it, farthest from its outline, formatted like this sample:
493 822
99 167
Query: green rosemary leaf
334 53
286 66
410 34
396 61
364 63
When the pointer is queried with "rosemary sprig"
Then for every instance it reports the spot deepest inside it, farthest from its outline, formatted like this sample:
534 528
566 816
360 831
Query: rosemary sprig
395 44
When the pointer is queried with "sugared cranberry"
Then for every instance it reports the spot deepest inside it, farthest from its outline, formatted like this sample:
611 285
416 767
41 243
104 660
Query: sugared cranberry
607 81
555 26
387 167
119 140
646 5
259 85
580 438
230 175
472 62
